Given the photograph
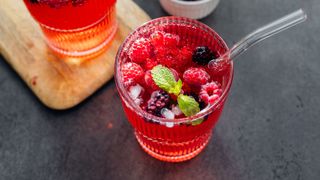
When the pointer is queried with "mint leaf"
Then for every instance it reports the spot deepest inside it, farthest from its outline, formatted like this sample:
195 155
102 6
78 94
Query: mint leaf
177 88
164 78
188 105
197 122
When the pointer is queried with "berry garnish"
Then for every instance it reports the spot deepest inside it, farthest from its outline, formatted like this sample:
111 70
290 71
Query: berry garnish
175 74
219 68
196 76
149 64
165 79
210 92
157 38
132 73
186 89
174 57
167 56
162 39
150 82
158 100
185 54
140 50
171 40
202 55
183 59
157 63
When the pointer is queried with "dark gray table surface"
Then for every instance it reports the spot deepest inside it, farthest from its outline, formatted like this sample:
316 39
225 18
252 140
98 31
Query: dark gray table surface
270 127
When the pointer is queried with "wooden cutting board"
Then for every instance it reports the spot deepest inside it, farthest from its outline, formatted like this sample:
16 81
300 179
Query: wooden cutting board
58 84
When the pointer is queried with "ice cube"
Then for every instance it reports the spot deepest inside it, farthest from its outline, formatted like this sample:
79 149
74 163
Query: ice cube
169 124
166 113
135 91
176 110
138 101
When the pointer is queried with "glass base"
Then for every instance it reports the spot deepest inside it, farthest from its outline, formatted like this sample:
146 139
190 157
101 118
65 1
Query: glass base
183 152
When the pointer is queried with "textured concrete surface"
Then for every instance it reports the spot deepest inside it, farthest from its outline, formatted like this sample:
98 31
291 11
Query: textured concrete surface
270 128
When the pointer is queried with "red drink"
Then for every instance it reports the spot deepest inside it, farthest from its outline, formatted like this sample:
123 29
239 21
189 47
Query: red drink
172 125
76 28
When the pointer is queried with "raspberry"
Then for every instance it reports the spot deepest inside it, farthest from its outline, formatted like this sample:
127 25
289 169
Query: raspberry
150 82
149 64
196 76
160 39
173 58
157 38
175 74
186 89
167 57
202 55
219 68
183 59
210 92
186 53
140 50
157 101
171 40
132 73
160 51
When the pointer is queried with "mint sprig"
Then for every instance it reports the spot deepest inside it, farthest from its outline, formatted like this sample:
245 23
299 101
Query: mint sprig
164 78
177 88
188 105
197 122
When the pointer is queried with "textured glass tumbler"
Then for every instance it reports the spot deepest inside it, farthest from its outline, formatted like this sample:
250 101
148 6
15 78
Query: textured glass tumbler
173 140
75 28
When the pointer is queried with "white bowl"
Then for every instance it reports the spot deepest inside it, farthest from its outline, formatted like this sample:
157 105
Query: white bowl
191 9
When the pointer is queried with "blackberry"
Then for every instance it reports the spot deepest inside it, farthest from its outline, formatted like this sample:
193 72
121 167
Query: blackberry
202 55
158 100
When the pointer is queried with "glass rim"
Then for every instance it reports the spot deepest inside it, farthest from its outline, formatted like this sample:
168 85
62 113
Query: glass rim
129 102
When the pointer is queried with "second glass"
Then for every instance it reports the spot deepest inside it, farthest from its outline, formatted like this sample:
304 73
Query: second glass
75 28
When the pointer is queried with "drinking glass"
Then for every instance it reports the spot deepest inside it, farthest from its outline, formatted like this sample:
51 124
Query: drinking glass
178 139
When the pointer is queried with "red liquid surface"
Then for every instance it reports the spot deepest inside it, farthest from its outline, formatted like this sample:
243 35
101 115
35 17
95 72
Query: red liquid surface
170 141
75 27
65 15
